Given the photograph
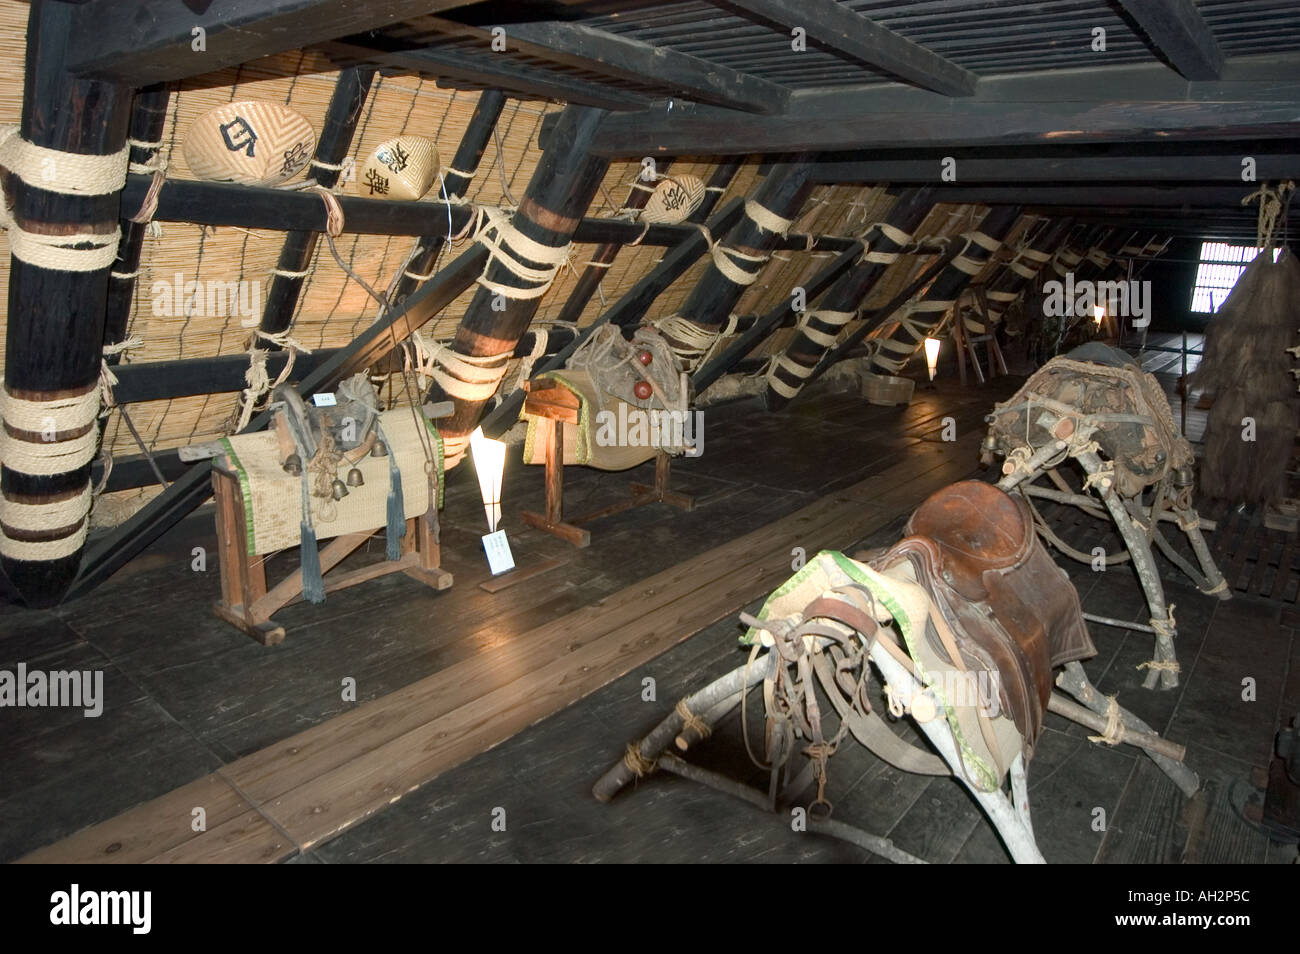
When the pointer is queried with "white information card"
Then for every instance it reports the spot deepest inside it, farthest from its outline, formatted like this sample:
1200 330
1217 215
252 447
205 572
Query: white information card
497 548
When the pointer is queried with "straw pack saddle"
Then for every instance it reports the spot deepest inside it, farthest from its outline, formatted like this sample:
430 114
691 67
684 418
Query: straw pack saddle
1011 609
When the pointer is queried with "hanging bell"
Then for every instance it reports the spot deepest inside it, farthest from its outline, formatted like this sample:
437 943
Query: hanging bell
293 465
338 489
355 478
380 449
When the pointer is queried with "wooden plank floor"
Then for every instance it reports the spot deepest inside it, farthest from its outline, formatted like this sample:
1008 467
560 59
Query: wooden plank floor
200 717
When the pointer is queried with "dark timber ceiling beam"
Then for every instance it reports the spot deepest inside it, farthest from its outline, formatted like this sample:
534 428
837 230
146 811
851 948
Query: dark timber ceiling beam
1085 194
1257 98
1016 167
624 58
839 30
153 41
484 70
1179 34
226 204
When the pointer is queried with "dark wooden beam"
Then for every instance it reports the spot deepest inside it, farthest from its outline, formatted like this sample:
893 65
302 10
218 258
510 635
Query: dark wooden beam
605 254
603 257
1178 33
1117 195
185 377
485 69
624 58
251 207
1257 99
148 117
783 192
946 287
834 27
154 41
1015 167
54 334
459 175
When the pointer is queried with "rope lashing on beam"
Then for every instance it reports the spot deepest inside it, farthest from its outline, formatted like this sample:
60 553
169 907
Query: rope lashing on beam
766 219
916 330
691 342
1065 261
67 173
257 379
107 379
49 437
155 166
509 247
832 320
896 235
783 362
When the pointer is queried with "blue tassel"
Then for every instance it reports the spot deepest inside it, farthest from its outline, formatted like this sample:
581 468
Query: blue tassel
396 528
313 583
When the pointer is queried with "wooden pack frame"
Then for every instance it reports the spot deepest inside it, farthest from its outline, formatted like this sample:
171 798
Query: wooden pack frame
554 406
246 602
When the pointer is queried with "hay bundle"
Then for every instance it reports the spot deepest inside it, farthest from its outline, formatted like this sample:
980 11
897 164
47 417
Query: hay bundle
1251 431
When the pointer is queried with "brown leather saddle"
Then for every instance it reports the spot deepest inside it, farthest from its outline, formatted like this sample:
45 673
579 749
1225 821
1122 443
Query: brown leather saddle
1012 610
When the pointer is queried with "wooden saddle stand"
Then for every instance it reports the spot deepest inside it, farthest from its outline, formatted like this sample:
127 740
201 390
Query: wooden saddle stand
555 406
246 602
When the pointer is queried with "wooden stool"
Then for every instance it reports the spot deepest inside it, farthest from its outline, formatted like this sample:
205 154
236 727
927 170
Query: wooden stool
245 601
556 406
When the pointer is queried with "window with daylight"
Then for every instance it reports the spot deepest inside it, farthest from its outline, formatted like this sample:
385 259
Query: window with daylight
1220 267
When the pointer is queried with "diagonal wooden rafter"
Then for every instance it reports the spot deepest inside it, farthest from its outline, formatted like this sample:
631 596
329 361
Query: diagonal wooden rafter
1177 32
838 29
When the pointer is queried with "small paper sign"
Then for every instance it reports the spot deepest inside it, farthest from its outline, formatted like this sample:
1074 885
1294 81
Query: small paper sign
498 552
325 399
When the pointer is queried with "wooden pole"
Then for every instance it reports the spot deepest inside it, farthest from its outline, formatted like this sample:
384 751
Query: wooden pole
341 117
937 300
820 326
561 189
1009 282
148 117
740 257
459 175
57 302
603 258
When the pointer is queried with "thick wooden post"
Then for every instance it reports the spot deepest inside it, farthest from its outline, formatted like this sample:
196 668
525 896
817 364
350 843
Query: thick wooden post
526 253
738 260
819 327
931 309
458 176
57 298
332 149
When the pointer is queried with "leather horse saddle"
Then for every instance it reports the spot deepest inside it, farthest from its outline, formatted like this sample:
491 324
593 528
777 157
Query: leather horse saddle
1011 609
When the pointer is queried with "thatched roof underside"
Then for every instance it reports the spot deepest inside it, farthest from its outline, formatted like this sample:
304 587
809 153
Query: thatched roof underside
334 309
